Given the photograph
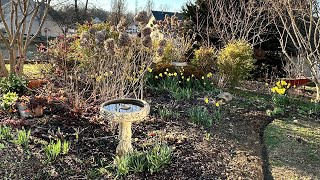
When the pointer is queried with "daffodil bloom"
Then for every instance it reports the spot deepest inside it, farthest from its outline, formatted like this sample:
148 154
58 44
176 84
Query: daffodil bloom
179 81
156 77
288 85
278 84
182 77
160 75
274 89
217 104
167 69
283 83
281 91
209 75
202 77
192 75
294 86
98 78
170 74
166 73
206 100
175 74
149 69
188 79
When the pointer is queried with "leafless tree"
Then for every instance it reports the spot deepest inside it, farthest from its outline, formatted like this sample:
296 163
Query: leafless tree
237 19
17 18
298 23
149 6
118 9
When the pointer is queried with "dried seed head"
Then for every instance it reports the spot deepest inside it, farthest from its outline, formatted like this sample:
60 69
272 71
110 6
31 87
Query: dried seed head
146 31
142 18
109 45
147 41
124 39
100 36
92 30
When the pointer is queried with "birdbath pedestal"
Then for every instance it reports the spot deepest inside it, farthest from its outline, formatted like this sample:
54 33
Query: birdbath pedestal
124 112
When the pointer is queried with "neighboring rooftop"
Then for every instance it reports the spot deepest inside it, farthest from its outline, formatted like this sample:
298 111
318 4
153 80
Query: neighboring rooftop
159 15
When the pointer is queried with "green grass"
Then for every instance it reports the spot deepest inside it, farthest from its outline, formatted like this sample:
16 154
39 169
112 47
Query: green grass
293 148
32 71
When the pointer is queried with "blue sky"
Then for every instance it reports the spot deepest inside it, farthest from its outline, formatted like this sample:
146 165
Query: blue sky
172 5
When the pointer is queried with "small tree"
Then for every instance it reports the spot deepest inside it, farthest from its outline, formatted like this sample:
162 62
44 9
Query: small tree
298 23
18 17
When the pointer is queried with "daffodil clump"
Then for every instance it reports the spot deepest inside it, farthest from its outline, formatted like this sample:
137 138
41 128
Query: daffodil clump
216 109
279 97
281 87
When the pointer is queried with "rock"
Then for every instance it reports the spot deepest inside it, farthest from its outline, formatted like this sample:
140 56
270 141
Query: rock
225 97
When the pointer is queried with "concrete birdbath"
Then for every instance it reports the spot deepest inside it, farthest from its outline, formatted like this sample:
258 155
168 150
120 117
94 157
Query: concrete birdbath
124 112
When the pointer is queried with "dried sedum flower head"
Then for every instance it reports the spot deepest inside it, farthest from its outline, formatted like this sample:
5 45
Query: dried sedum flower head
123 24
146 31
109 45
147 41
142 18
124 39
100 36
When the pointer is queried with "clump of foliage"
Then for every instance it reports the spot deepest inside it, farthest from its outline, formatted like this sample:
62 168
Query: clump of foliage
54 149
205 59
166 113
201 116
180 94
8 100
279 98
235 61
13 83
151 160
5 133
23 137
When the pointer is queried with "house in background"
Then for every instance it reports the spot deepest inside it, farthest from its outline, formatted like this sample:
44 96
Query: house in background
132 28
50 28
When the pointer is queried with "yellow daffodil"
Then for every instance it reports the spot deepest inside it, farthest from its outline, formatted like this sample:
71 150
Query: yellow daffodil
156 77
175 74
217 104
166 73
149 69
106 74
188 79
202 77
170 74
288 86
278 84
192 75
283 83
294 86
182 77
167 69
206 100
98 78
209 75
160 75
281 91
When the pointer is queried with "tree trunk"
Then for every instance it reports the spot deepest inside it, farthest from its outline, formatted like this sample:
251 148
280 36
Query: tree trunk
3 70
12 56
318 92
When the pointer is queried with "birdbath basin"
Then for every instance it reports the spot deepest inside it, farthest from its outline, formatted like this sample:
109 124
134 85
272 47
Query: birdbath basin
124 112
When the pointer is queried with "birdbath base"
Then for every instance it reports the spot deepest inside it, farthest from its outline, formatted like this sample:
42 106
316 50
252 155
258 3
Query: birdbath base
125 134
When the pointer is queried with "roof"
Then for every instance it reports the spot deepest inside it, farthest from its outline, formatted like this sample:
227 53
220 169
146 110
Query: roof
159 15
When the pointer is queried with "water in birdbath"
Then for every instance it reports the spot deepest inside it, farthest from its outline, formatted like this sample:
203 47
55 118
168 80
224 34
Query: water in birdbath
122 107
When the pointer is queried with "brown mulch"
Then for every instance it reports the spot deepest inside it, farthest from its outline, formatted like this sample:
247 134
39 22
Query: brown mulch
233 150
